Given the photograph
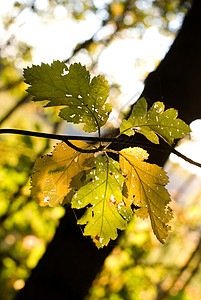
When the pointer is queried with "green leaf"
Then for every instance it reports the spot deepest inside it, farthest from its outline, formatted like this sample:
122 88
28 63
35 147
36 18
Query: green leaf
102 195
146 188
83 100
47 83
155 122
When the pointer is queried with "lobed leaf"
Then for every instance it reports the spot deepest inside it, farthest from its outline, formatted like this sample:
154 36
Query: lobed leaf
156 122
145 185
53 181
83 100
102 195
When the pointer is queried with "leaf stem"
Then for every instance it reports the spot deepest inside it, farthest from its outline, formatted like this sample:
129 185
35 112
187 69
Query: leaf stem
66 139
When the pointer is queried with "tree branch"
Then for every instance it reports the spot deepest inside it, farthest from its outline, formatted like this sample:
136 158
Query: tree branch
118 140
26 98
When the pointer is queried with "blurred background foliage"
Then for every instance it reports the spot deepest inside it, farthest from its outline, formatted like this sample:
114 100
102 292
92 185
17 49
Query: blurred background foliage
139 267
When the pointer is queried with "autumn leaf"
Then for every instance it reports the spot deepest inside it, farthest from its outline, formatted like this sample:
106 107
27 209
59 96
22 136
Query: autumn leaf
145 185
54 175
83 100
102 195
156 122
108 190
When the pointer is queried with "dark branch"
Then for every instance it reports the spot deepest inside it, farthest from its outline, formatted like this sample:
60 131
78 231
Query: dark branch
82 150
66 139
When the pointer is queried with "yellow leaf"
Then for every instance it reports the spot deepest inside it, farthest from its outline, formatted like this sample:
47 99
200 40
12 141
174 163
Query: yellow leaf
145 185
54 174
117 9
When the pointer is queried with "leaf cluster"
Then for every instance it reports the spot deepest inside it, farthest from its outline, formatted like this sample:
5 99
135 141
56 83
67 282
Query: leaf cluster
110 191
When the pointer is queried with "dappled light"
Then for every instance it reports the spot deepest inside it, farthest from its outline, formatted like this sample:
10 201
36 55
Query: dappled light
108 51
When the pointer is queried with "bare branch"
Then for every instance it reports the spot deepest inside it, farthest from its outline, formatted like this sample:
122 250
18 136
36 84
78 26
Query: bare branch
118 140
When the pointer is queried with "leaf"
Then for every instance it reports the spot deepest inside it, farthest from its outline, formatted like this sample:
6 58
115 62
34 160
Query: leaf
53 180
106 211
146 182
83 100
155 122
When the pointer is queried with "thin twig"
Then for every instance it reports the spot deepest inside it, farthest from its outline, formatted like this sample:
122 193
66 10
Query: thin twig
12 110
66 139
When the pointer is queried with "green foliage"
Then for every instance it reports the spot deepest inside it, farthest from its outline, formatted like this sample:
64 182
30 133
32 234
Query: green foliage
140 267
109 191
18 219
103 192
155 122
83 100
25 227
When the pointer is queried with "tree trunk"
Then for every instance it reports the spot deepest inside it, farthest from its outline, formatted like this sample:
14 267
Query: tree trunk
71 261
68 266
177 80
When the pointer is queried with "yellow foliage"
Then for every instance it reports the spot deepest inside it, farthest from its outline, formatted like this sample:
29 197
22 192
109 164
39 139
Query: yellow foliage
54 175
145 187
117 9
